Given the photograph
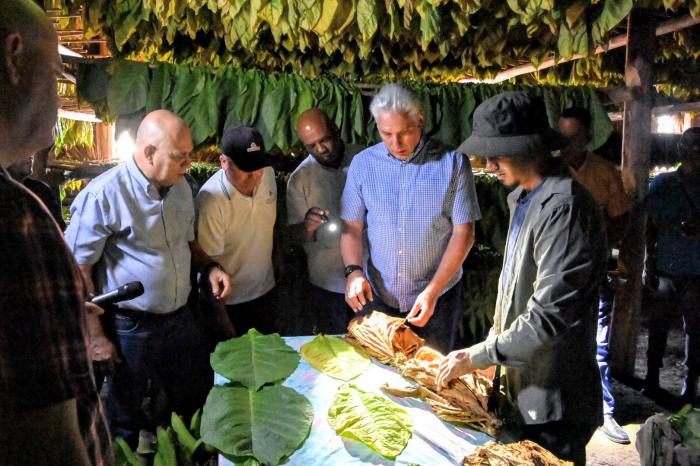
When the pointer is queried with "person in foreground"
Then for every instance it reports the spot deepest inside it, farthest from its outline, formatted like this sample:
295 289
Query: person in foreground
50 412
418 201
543 338
136 222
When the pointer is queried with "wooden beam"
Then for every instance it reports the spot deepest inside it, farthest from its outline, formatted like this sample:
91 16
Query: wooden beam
663 110
636 148
667 27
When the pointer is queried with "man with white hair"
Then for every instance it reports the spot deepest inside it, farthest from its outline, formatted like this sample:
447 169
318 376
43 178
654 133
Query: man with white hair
418 202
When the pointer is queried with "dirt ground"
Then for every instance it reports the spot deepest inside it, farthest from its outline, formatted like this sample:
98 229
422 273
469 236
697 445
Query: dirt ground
632 408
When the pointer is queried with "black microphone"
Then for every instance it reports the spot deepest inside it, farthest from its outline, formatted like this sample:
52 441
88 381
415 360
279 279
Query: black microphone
125 292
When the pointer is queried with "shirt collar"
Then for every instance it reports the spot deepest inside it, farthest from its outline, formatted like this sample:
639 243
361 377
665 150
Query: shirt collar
419 150
584 165
138 176
526 196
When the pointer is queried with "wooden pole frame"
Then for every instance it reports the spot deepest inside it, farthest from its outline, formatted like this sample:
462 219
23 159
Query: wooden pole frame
636 148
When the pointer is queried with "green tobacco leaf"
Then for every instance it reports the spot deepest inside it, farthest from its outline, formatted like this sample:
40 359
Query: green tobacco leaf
254 359
165 454
125 456
335 357
372 419
367 19
268 424
128 88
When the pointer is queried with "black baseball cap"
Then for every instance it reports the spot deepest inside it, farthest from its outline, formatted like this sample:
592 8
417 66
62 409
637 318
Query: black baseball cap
511 124
244 145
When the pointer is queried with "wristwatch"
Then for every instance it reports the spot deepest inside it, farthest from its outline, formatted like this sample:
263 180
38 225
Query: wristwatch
350 269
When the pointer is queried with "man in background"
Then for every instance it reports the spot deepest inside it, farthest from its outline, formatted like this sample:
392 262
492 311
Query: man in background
672 264
236 210
136 222
603 181
313 216
50 411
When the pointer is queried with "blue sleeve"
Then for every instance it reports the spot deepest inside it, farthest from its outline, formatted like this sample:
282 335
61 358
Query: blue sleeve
466 205
88 230
352 204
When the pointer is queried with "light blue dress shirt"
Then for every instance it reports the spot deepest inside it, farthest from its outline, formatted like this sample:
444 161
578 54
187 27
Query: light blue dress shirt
410 208
121 225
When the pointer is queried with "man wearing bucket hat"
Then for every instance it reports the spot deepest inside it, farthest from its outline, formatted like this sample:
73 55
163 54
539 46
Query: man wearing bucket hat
237 208
672 265
543 335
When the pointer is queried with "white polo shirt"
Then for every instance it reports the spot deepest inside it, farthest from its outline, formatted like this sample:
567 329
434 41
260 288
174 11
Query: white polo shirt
315 185
236 231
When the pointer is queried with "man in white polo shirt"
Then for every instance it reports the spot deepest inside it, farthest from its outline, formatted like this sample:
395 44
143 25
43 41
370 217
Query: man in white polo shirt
237 208
313 216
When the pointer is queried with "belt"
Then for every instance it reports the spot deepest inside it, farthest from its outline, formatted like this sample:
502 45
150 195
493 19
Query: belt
143 316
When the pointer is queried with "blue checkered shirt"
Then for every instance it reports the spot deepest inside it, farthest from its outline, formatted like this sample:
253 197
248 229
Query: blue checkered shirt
410 208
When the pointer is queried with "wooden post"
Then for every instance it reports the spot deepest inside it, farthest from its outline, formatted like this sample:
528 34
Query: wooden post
636 142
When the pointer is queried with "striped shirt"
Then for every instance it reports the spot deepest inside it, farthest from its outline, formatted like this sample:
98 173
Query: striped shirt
409 207
43 336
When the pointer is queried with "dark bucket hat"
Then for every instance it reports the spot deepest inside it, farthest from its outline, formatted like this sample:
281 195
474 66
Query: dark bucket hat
511 124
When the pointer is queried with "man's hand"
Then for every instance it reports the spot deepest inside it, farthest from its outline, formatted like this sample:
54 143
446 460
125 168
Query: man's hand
454 365
101 348
423 308
314 218
220 283
357 291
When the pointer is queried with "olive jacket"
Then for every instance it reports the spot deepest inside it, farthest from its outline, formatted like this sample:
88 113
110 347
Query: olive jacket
544 331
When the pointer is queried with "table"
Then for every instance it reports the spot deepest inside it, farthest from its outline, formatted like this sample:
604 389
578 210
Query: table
434 442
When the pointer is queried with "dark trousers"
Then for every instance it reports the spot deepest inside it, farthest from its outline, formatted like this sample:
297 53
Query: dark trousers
682 297
565 439
259 313
328 311
441 330
164 368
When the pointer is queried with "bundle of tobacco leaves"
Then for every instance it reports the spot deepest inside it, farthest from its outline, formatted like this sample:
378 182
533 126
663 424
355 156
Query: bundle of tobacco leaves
391 341
383 337
523 453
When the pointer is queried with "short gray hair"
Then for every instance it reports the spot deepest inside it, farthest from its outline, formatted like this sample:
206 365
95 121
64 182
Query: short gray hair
396 98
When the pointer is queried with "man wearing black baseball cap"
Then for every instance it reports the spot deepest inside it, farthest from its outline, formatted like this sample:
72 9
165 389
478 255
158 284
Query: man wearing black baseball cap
237 208
543 335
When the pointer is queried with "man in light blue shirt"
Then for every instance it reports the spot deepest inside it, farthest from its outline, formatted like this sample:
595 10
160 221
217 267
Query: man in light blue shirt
135 222
419 203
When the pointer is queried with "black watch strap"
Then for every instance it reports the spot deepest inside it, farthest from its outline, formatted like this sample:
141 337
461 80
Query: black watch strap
350 269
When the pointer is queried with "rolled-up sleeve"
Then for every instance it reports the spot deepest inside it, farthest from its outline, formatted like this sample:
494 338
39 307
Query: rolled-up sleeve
352 204
570 258
297 205
210 225
465 208
89 228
